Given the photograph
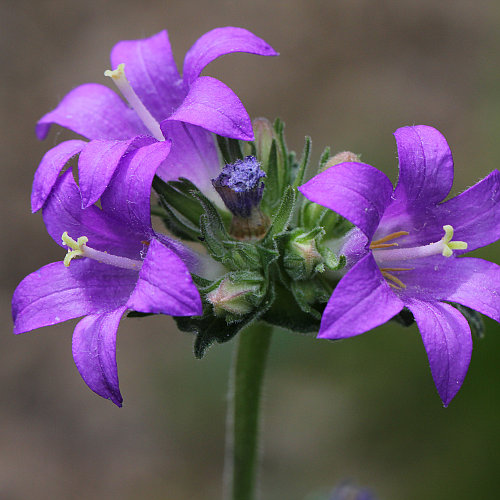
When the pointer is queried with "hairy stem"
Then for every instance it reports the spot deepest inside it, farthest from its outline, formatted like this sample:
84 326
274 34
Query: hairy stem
247 374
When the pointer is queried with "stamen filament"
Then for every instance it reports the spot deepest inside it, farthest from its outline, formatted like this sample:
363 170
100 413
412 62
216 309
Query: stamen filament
389 237
80 249
444 247
383 245
393 278
120 80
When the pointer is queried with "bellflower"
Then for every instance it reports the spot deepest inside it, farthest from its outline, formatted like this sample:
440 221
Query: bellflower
406 250
115 262
162 105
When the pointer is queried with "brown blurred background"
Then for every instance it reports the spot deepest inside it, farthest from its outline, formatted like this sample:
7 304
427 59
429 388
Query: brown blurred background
349 74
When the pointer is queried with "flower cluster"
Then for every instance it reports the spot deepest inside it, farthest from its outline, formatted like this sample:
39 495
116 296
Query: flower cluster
339 254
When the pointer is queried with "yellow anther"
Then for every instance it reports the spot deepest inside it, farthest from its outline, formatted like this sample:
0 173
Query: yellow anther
119 72
76 246
448 245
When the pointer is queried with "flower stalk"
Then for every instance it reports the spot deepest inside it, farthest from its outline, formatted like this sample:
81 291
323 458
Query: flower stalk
242 423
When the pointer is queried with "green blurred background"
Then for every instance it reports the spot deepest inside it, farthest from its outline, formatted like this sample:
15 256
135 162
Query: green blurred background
349 74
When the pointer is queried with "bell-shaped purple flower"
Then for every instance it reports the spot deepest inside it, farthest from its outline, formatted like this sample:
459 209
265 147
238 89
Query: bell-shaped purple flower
163 105
406 250
116 262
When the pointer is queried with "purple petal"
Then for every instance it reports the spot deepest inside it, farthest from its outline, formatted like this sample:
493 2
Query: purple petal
356 191
191 259
165 285
98 163
425 167
95 112
214 106
49 169
94 352
474 283
193 155
448 343
474 216
361 301
63 212
150 68
128 196
219 42
56 293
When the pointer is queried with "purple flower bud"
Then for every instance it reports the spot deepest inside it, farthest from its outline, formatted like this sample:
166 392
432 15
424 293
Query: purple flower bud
239 186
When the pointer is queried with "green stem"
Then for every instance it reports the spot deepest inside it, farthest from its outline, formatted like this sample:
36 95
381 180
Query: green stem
245 386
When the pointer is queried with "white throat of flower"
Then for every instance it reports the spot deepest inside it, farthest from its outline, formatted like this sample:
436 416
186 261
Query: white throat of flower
79 248
120 80
385 251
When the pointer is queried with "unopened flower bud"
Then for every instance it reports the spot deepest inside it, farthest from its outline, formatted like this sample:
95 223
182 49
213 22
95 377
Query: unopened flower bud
240 187
342 157
302 258
236 295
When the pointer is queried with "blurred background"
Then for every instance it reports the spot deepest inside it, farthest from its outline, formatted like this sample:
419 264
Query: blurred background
350 73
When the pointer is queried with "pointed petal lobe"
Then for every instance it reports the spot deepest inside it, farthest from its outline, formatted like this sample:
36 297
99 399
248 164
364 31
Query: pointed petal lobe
94 111
425 167
98 163
150 68
165 285
472 282
448 343
49 169
127 198
94 352
361 301
193 155
356 191
218 42
214 106
56 293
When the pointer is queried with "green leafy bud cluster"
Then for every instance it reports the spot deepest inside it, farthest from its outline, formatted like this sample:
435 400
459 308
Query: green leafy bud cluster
282 275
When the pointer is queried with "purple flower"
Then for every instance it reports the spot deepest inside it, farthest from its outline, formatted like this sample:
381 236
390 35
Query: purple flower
122 264
406 250
163 105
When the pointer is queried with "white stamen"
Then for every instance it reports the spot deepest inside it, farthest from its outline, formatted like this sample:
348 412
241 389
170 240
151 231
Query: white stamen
120 80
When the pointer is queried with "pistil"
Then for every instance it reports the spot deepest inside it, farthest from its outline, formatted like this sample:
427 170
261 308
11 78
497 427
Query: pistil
79 248
120 80
442 247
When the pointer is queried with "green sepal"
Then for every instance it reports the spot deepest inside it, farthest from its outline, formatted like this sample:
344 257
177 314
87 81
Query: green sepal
230 149
304 162
474 319
325 156
178 225
213 231
241 255
272 191
332 261
209 328
311 296
177 195
282 217
284 164
285 314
